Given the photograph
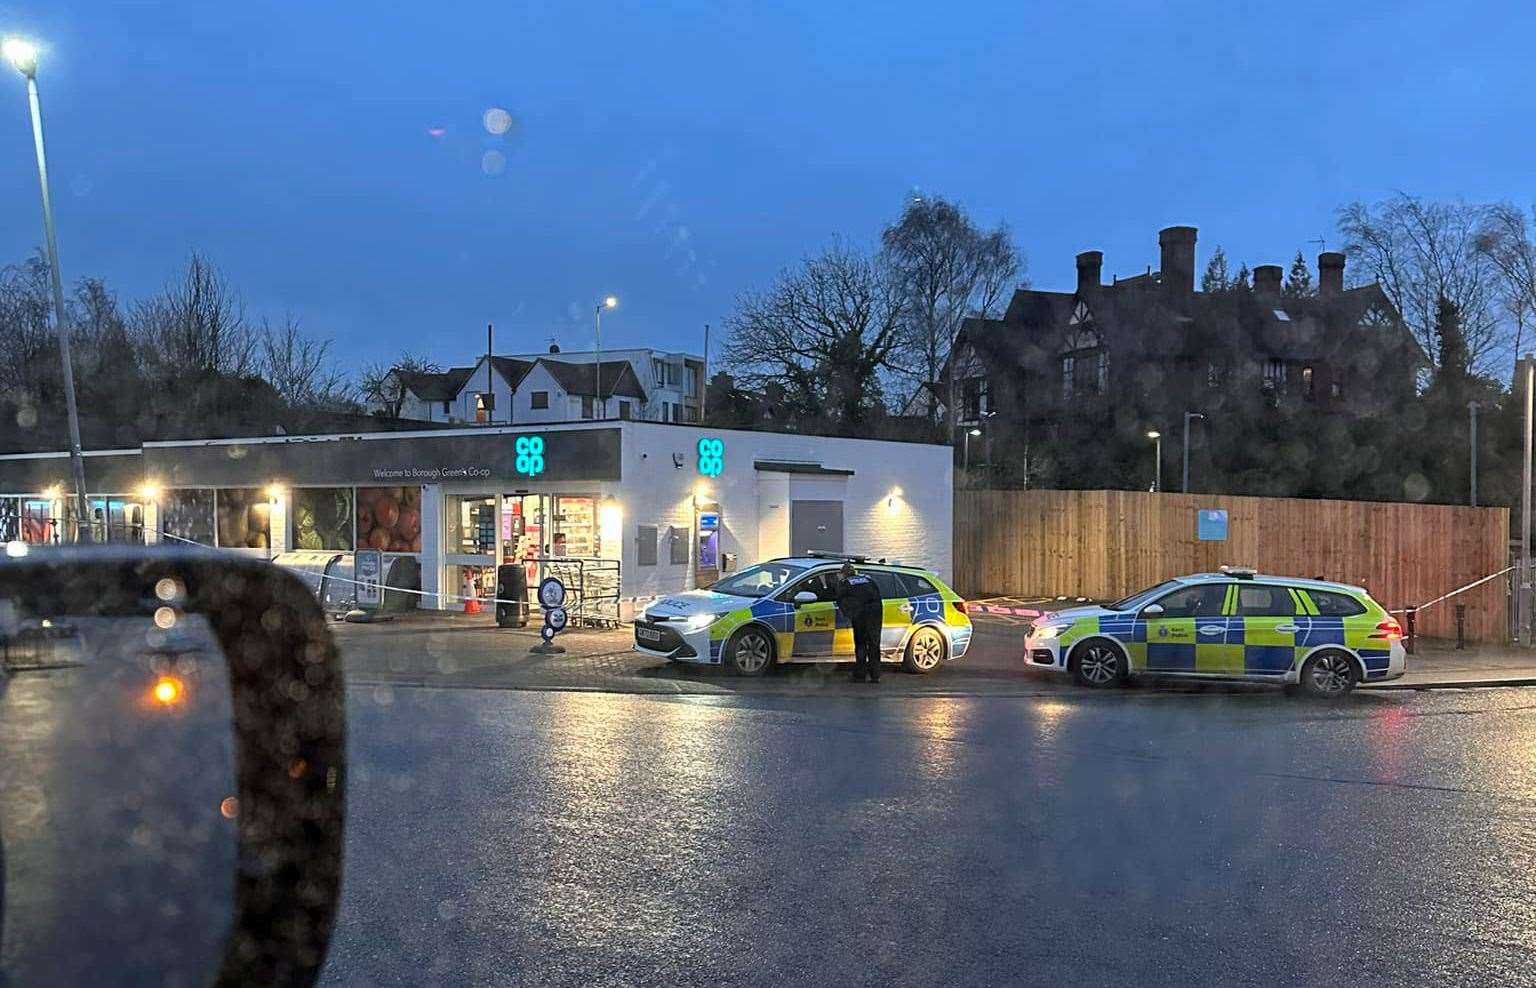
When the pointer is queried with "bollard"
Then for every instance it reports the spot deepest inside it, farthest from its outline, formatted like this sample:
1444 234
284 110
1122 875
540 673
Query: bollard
1461 626
1411 613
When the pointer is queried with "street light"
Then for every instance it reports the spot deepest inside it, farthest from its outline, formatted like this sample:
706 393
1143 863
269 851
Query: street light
23 55
1188 417
608 302
968 434
1157 476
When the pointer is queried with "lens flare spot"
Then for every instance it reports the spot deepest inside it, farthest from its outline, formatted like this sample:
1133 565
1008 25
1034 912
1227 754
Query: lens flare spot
229 807
168 690
493 162
497 121
165 618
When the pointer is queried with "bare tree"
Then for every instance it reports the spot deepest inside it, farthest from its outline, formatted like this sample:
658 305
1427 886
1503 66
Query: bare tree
823 334
382 385
1420 252
197 325
297 366
26 339
1506 241
946 269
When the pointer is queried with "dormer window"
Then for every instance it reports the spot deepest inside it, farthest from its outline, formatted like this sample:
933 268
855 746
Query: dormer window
1377 317
1084 359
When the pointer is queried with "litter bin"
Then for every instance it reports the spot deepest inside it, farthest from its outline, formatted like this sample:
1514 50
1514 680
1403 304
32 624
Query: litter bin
511 596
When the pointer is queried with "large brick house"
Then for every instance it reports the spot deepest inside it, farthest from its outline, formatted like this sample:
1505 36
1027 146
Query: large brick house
1065 380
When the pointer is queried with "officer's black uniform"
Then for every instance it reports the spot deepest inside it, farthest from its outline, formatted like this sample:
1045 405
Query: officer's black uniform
859 600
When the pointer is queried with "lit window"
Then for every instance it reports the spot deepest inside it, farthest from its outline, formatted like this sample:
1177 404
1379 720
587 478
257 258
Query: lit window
1274 374
1306 381
1282 315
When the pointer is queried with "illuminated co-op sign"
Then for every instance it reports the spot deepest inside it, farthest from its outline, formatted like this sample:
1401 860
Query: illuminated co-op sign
530 455
711 456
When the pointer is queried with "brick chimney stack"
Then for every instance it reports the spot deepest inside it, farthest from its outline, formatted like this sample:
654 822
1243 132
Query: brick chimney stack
1330 273
1090 265
1178 244
1266 280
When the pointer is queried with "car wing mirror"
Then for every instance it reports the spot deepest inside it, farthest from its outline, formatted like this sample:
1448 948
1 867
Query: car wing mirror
1152 610
172 769
805 597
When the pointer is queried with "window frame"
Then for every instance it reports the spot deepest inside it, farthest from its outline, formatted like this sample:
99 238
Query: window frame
538 400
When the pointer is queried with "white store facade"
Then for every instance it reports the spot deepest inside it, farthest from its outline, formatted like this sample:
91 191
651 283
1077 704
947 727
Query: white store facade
638 508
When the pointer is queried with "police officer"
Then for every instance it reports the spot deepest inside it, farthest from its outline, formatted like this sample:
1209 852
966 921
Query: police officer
859 600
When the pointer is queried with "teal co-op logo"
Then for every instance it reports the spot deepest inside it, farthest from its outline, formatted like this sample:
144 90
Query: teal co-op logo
711 456
530 455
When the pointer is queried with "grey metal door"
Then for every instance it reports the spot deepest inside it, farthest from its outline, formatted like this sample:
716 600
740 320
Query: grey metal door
815 525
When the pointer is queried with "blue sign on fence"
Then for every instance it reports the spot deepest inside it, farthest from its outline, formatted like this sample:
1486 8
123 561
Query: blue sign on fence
1212 526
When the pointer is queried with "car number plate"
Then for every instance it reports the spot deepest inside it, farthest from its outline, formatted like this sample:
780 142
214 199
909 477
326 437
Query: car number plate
648 634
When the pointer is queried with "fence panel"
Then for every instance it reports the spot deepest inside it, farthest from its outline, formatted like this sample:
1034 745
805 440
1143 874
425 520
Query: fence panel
1104 544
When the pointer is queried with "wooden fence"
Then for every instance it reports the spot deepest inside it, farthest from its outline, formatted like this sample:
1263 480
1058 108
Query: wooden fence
1105 544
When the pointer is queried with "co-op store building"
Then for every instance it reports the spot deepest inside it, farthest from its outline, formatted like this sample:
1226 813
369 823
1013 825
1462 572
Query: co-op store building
645 508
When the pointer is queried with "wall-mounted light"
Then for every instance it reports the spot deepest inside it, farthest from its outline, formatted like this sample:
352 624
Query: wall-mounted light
53 492
149 490
610 519
275 491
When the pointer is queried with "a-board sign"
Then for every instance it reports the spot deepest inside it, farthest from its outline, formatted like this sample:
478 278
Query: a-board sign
368 571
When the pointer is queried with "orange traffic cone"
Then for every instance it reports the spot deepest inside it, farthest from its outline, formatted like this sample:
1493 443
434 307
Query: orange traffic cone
471 601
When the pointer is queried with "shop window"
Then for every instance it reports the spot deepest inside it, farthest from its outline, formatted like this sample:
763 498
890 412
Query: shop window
118 520
389 519
679 540
539 399
322 518
244 518
645 546
187 516
586 406
575 526
625 410
10 519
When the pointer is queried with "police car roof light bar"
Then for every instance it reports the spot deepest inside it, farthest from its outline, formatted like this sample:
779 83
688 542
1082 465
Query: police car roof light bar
846 557
1239 572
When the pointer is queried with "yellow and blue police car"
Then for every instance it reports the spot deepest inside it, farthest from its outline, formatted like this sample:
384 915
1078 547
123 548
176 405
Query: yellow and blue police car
1320 637
784 611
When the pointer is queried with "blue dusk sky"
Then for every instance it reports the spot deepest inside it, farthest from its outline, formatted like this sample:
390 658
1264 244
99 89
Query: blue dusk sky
396 175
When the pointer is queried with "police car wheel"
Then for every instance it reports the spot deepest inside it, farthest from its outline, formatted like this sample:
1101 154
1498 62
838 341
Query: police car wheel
1097 663
1328 675
925 650
749 653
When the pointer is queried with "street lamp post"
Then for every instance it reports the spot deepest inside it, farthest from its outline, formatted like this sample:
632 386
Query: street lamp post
597 353
23 55
1523 598
1157 474
968 434
1188 417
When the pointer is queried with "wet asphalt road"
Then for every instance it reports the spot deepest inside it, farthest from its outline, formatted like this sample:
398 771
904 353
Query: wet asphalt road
1137 837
